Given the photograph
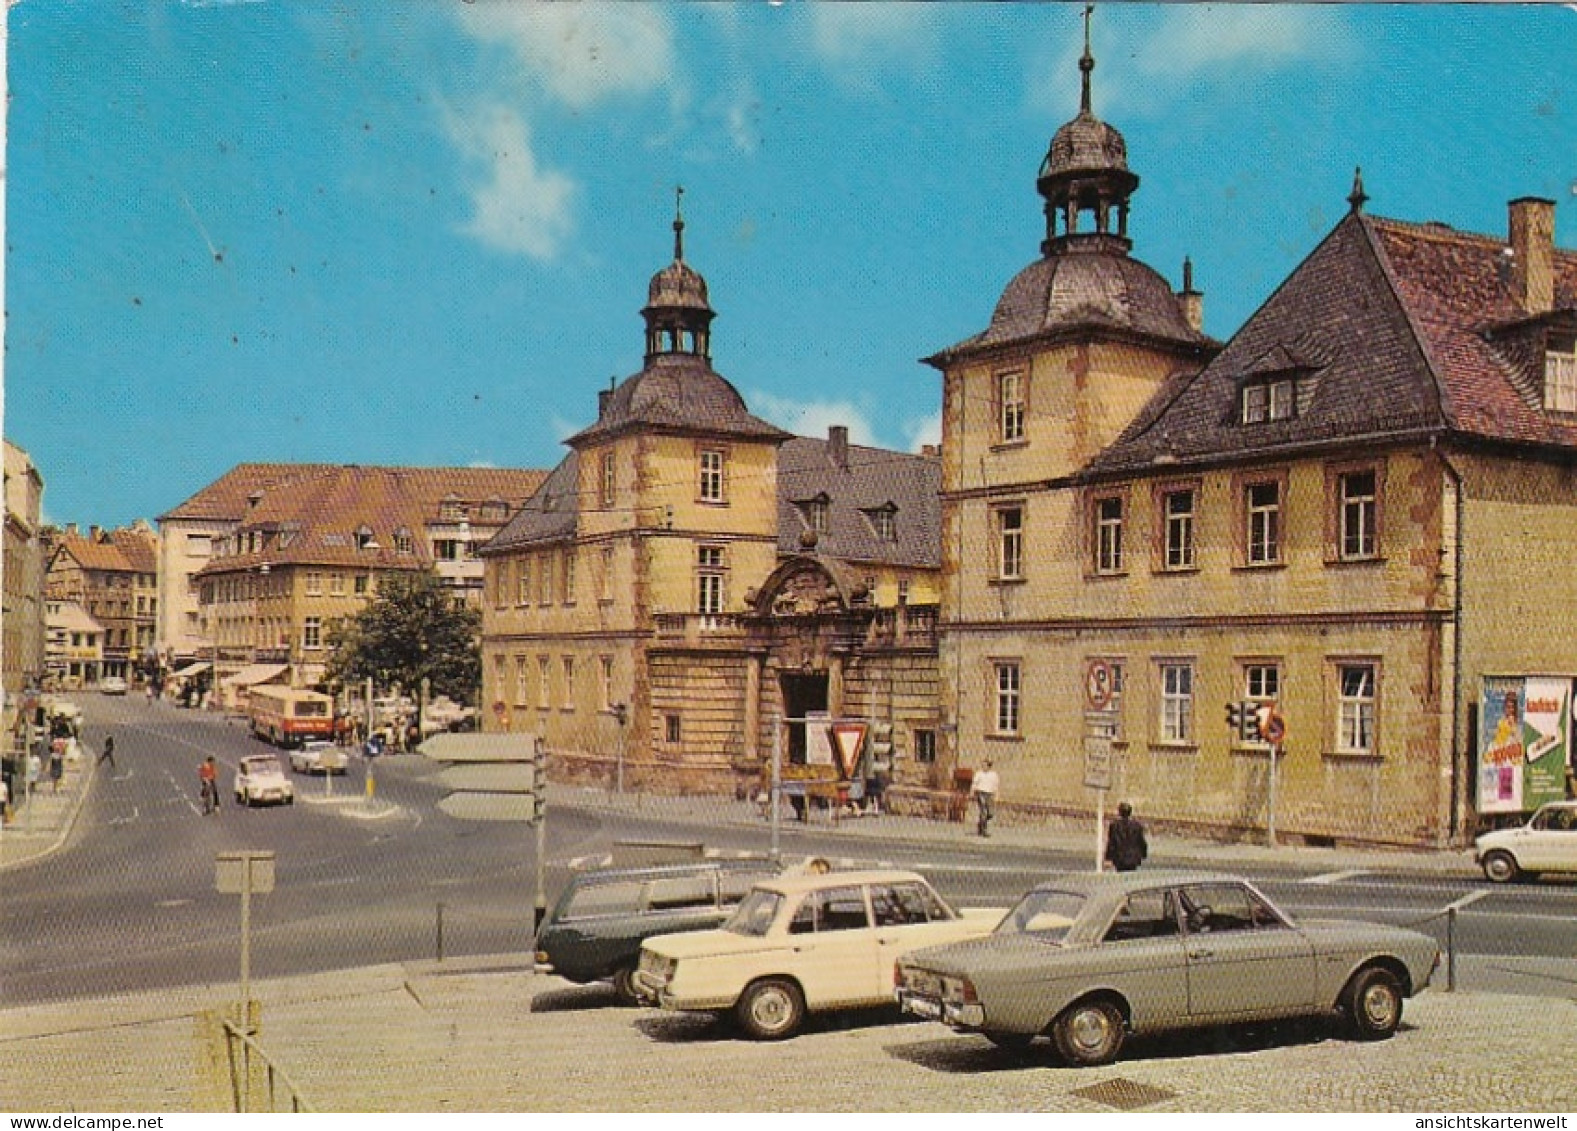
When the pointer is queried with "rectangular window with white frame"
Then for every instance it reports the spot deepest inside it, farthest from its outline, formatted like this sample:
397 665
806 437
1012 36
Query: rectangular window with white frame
711 473
1010 403
544 685
1261 687
314 583
605 683
312 632
1357 515
1008 677
522 691
1177 514
1176 724
523 582
569 576
709 584
568 664
1262 507
925 746
605 575
1109 535
1010 543
1560 373
1356 702
544 570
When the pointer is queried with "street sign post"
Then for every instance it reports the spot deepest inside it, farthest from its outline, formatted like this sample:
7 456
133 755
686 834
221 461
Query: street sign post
497 777
245 874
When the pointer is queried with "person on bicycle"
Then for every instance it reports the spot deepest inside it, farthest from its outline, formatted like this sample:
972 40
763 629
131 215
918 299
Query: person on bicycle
208 775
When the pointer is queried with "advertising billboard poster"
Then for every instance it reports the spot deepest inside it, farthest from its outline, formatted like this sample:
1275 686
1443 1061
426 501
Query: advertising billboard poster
1524 740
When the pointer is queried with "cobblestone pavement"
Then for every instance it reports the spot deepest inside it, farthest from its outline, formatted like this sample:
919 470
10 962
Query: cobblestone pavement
463 1037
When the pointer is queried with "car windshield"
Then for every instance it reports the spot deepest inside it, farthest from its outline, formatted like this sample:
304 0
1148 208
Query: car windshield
264 767
755 914
1044 913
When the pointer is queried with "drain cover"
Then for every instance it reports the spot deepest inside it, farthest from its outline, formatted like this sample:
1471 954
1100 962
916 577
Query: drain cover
1124 1095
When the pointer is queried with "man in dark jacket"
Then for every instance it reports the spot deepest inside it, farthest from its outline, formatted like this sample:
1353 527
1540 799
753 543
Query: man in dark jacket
1125 843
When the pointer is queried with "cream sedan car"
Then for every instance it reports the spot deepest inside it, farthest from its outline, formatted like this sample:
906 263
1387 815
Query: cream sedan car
804 943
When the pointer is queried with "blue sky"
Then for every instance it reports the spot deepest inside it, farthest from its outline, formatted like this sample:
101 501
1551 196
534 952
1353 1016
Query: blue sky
421 233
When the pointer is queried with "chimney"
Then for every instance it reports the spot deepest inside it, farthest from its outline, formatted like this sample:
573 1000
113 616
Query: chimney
603 397
71 529
931 451
1192 301
1533 253
94 532
838 446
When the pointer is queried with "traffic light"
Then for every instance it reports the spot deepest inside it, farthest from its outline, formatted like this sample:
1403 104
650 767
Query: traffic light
1235 717
1258 717
539 779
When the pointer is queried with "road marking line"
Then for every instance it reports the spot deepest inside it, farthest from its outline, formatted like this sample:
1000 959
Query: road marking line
1334 877
1470 897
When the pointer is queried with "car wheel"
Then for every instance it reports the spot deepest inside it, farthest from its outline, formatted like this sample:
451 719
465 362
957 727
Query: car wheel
624 985
1373 1004
1009 1042
1501 867
771 1009
1089 1033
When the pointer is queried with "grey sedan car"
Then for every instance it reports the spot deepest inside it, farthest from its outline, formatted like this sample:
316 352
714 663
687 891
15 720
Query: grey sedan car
1089 958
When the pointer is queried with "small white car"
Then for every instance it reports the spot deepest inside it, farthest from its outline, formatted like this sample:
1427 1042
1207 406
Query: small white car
1547 843
318 756
261 780
804 943
112 685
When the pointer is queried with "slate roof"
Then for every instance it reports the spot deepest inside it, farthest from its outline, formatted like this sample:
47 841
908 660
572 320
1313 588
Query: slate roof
677 391
870 478
1083 288
867 480
550 514
1389 329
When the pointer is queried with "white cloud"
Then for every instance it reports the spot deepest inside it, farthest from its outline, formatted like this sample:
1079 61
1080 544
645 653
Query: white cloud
851 39
1140 67
925 430
580 54
519 205
813 418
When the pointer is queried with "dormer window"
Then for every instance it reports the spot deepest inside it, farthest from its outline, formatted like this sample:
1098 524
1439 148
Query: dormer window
364 538
451 509
814 512
494 510
884 521
1264 401
1560 373
403 542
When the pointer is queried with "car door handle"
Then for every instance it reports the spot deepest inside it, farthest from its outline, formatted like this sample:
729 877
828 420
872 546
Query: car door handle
1201 954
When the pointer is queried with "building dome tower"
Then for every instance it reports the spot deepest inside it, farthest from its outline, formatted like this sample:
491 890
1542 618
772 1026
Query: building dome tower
678 316
1086 171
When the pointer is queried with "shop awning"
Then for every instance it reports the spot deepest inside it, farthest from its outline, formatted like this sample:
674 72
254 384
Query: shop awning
190 670
255 673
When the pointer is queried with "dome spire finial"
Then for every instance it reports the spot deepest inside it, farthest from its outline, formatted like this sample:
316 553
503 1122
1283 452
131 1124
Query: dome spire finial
1357 197
1086 62
678 223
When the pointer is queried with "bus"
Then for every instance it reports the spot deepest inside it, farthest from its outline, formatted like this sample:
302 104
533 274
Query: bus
287 716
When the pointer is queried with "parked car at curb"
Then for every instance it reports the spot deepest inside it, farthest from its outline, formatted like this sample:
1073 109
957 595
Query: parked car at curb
1547 843
804 943
596 927
260 779
317 756
1088 959
112 685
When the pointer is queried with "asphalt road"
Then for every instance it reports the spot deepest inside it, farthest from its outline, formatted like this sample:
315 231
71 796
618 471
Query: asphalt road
131 903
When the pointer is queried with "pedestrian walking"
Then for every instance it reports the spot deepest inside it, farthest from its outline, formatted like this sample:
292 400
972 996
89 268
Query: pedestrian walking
57 763
208 783
107 751
1126 847
984 786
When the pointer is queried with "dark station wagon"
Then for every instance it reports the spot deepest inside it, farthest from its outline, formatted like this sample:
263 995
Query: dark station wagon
595 930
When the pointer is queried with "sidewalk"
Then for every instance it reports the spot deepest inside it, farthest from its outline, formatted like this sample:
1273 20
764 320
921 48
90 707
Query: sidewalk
41 824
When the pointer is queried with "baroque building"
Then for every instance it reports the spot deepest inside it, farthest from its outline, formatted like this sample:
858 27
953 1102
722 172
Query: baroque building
692 582
1360 511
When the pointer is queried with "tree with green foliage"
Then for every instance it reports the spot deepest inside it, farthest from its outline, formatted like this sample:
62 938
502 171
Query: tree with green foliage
412 629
